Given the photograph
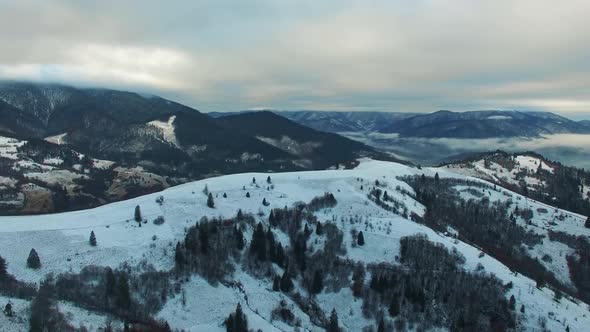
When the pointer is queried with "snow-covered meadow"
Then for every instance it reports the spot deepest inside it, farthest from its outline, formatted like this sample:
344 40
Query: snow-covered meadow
62 243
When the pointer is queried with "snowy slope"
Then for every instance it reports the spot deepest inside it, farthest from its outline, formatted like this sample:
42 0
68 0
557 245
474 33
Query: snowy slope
62 243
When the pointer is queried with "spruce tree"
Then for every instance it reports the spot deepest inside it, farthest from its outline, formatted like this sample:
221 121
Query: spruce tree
268 180
179 256
394 307
319 228
333 326
280 255
286 283
210 202
436 177
224 195
237 321
42 308
248 194
271 219
204 238
587 223
265 202
258 243
318 282
522 308
92 239
512 303
253 180
33 261
360 239
123 297
110 283
138 214
239 238
358 280
276 284
240 215
8 310
2 267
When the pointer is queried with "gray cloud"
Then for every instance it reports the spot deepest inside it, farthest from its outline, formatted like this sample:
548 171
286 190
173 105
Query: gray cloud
378 55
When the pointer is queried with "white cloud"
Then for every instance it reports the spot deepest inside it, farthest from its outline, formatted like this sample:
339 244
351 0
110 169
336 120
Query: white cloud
412 56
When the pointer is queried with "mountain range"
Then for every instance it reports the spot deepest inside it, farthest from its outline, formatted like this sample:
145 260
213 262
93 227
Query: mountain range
150 135
442 124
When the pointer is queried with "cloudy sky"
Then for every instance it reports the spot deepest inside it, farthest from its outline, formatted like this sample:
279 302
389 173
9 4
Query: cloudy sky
415 55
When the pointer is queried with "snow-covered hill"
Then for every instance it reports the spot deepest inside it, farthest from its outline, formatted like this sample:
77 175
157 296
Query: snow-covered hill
533 175
62 243
41 177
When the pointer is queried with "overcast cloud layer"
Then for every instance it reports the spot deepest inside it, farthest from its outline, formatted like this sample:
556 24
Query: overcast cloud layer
345 55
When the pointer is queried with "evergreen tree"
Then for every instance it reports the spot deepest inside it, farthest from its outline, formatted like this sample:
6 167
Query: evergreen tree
587 223
224 195
394 307
138 214
268 180
8 310
2 267
237 321
210 202
381 326
512 303
522 308
42 309
248 194
276 284
299 252
264 202
319 229
110 283
436 177
318 282
239 238
280 255
240 215
286 283
385 196
206 191
33 261
358 280
271 219
204 238
179 256
123 296
253 180
360 239
92 239
333 326
258 243
230 324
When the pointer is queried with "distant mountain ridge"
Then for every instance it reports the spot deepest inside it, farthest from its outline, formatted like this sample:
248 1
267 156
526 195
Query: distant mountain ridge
485 124
295 138
165 138
440 124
